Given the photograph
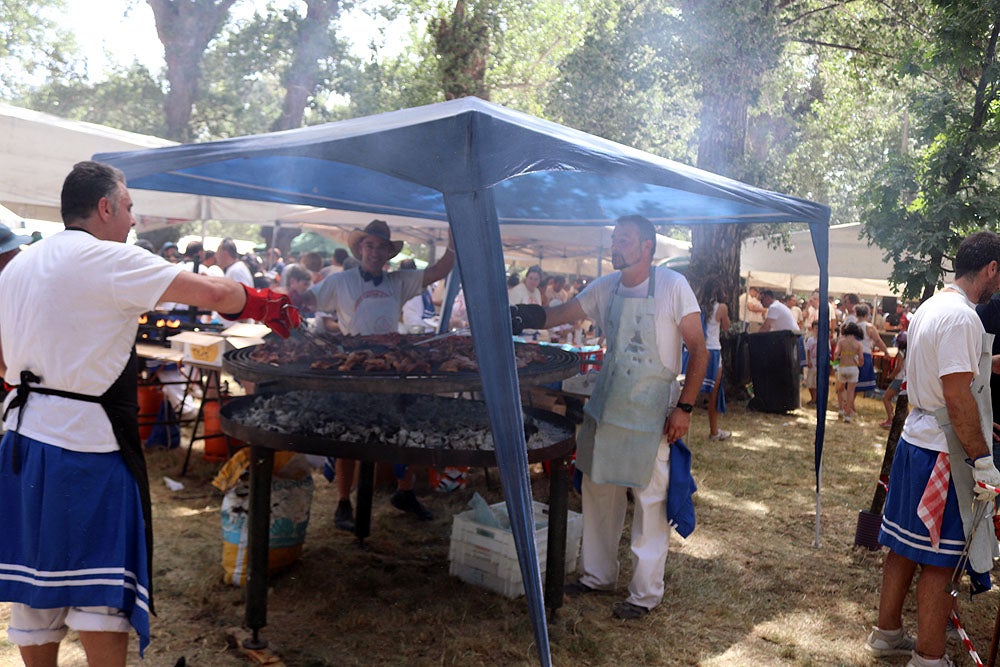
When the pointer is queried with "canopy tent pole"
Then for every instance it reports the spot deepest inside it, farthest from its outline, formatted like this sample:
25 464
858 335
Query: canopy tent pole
477 236
820 232
452 284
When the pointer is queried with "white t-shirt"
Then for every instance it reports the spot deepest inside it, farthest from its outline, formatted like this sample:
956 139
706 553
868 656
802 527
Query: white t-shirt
520 294
363 307
945 336
673 297
240 272
781 318
712 330
69 312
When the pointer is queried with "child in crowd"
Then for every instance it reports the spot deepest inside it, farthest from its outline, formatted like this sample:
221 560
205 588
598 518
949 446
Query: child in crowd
810 345
848 355
897 377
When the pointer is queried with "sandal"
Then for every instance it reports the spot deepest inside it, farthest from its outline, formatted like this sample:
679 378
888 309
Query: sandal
886 424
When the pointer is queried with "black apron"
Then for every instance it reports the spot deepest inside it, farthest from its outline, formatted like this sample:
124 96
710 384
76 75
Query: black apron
121 405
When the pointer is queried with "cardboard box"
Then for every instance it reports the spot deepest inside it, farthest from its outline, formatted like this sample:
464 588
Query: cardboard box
207 349
485 556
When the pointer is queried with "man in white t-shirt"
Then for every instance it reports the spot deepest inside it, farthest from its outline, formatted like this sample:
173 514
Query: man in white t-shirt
779 317
74 493
369 301
922 523
634 419
228 258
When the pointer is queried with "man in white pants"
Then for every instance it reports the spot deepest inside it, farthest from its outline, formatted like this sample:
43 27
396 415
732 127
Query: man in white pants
631 418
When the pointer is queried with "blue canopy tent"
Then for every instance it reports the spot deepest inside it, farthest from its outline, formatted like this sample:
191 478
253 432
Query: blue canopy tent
478 165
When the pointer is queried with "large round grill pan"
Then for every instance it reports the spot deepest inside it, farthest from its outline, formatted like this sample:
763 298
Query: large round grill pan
379 418
559 365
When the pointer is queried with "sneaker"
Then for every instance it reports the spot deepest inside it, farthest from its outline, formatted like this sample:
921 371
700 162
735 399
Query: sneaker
628 611
885 643
721 435
343 518
847 419
919 661
576 589
407 502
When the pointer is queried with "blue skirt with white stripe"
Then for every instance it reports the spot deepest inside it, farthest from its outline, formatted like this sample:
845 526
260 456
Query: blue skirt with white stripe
866 375
708 384
902 530
73 532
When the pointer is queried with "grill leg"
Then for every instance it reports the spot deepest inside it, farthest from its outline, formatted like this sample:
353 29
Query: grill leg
555 569
258 536
366 490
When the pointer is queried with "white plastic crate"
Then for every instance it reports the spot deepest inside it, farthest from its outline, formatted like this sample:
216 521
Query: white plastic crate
485 556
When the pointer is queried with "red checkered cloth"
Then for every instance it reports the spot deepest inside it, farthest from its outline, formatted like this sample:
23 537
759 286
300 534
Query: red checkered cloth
931 507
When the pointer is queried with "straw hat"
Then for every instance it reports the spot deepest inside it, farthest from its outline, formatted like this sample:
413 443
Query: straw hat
377 228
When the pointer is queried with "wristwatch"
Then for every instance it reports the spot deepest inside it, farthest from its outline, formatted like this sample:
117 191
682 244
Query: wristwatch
686 407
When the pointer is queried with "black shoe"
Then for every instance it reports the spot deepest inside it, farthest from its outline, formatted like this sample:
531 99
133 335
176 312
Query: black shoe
575 589
343 518
407 502
628 611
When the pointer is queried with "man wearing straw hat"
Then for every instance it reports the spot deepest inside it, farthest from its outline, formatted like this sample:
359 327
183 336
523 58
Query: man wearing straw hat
942 454
369 301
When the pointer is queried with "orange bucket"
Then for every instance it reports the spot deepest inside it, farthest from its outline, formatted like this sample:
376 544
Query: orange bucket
216 446
150 399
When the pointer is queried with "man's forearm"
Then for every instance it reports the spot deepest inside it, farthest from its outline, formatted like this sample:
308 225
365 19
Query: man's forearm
964 416
696 368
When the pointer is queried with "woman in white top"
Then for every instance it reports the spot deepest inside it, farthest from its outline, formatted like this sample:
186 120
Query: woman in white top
715 317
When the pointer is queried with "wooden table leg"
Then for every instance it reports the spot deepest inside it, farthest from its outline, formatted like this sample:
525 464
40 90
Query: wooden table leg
258 543
555 570
366 490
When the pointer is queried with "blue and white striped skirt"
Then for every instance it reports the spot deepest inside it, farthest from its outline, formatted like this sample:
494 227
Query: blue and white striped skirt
902 530
708 384
73 532
866 376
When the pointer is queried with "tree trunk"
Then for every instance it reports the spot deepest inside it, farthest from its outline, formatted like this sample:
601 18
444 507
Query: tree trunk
185 28
303 74
733 43
463 47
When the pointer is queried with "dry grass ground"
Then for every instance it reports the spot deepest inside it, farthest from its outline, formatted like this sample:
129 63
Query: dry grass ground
747 588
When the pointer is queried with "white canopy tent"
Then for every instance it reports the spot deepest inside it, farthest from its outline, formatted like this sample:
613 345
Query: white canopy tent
855 266
37 150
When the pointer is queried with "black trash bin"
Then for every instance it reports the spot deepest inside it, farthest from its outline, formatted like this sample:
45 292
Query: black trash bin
774 371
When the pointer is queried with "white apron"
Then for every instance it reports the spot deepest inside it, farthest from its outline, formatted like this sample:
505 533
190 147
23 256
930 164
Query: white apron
983 549
624 418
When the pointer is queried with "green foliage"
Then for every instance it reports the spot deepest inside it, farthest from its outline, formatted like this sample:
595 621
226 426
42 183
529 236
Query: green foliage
921 204
30 44
130 98
627 81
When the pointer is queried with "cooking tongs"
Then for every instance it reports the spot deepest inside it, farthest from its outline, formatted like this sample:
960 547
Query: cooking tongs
315 339
454 332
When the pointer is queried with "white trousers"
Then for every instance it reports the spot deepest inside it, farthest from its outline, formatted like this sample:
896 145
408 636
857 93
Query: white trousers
604 507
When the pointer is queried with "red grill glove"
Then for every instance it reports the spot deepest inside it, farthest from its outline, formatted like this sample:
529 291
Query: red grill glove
270 307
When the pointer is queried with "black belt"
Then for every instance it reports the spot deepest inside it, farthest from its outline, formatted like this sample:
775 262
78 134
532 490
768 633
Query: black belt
21 392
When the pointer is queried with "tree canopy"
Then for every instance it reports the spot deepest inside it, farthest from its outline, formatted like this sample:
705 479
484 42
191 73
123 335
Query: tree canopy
883 109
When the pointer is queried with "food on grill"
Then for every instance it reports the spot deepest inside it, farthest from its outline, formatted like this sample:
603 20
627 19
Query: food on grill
385 353
401 420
